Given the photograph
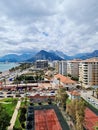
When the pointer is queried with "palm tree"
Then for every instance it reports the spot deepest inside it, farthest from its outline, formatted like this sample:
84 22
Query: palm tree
79 123
97 93
4 80
76 109
81 84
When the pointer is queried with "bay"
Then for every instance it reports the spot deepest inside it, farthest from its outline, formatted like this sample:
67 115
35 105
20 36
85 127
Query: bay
7 66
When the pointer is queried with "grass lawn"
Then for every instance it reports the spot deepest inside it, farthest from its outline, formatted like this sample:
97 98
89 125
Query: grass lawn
17 123
9 105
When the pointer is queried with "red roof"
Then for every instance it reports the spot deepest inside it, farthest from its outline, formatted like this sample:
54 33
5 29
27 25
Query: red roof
65 80
74 93
91 119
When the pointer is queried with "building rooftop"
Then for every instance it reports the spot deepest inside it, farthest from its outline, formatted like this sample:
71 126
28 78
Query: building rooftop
64 79
91 60
75 61
74 93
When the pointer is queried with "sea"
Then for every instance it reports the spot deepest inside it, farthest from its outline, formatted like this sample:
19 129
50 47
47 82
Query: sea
6 66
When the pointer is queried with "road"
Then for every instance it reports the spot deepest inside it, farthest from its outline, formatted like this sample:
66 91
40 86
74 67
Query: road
8 75
87 95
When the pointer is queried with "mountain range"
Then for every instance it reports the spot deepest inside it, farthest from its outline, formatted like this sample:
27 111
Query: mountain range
46 55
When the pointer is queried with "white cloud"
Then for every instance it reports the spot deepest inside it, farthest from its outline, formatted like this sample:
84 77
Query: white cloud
66 25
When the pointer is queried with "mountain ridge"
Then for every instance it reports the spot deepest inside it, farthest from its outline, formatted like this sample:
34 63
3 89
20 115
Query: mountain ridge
46 55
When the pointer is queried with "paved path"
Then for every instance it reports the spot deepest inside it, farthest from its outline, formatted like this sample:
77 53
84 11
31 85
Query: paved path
68 120
12 121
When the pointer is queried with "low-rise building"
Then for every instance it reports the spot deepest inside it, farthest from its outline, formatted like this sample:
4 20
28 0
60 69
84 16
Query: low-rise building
74 95
42 64
60 80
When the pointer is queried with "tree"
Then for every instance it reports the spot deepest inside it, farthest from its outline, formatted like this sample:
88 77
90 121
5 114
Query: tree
76 110
75 78
62 96
4 80
4 118
80 114
96 126
97 93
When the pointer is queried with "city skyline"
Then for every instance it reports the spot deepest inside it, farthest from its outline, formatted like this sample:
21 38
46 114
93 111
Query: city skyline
29 25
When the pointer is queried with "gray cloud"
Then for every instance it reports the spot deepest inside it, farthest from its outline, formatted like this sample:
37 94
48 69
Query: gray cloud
66 25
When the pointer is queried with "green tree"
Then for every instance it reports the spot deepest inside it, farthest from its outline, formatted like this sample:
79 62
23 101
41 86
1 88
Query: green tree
4 118
97 93
62 96
76 109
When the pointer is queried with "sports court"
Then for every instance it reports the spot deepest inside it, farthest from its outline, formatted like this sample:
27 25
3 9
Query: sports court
91 119
46 120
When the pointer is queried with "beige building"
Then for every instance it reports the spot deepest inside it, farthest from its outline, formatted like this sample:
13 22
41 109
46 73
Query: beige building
56 66
88 72
73 67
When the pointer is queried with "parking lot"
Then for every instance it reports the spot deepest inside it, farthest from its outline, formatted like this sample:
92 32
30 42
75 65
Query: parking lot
24 93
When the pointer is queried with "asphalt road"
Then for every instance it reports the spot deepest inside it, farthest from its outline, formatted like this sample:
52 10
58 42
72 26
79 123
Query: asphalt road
87 95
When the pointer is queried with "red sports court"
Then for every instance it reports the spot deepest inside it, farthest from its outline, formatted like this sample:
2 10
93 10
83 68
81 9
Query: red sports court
46 120
91 119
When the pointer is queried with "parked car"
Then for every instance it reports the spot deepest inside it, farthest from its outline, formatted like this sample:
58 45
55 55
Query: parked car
18 95
1 96
9 92
1 93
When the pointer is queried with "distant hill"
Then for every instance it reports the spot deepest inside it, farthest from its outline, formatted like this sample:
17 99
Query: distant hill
16 58
82 56
61 54
44 55
89 55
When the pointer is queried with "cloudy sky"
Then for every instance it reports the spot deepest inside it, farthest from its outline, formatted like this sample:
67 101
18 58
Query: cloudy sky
70 26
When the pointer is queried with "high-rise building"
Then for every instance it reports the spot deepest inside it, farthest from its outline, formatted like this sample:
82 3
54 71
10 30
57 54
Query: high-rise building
73 67
88 72
60 67
56 66
63 67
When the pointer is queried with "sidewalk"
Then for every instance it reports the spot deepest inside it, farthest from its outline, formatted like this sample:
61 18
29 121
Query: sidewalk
13 119
68 120
89 94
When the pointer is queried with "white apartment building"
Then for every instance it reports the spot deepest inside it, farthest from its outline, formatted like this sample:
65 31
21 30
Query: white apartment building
61 67
73 67
88 72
